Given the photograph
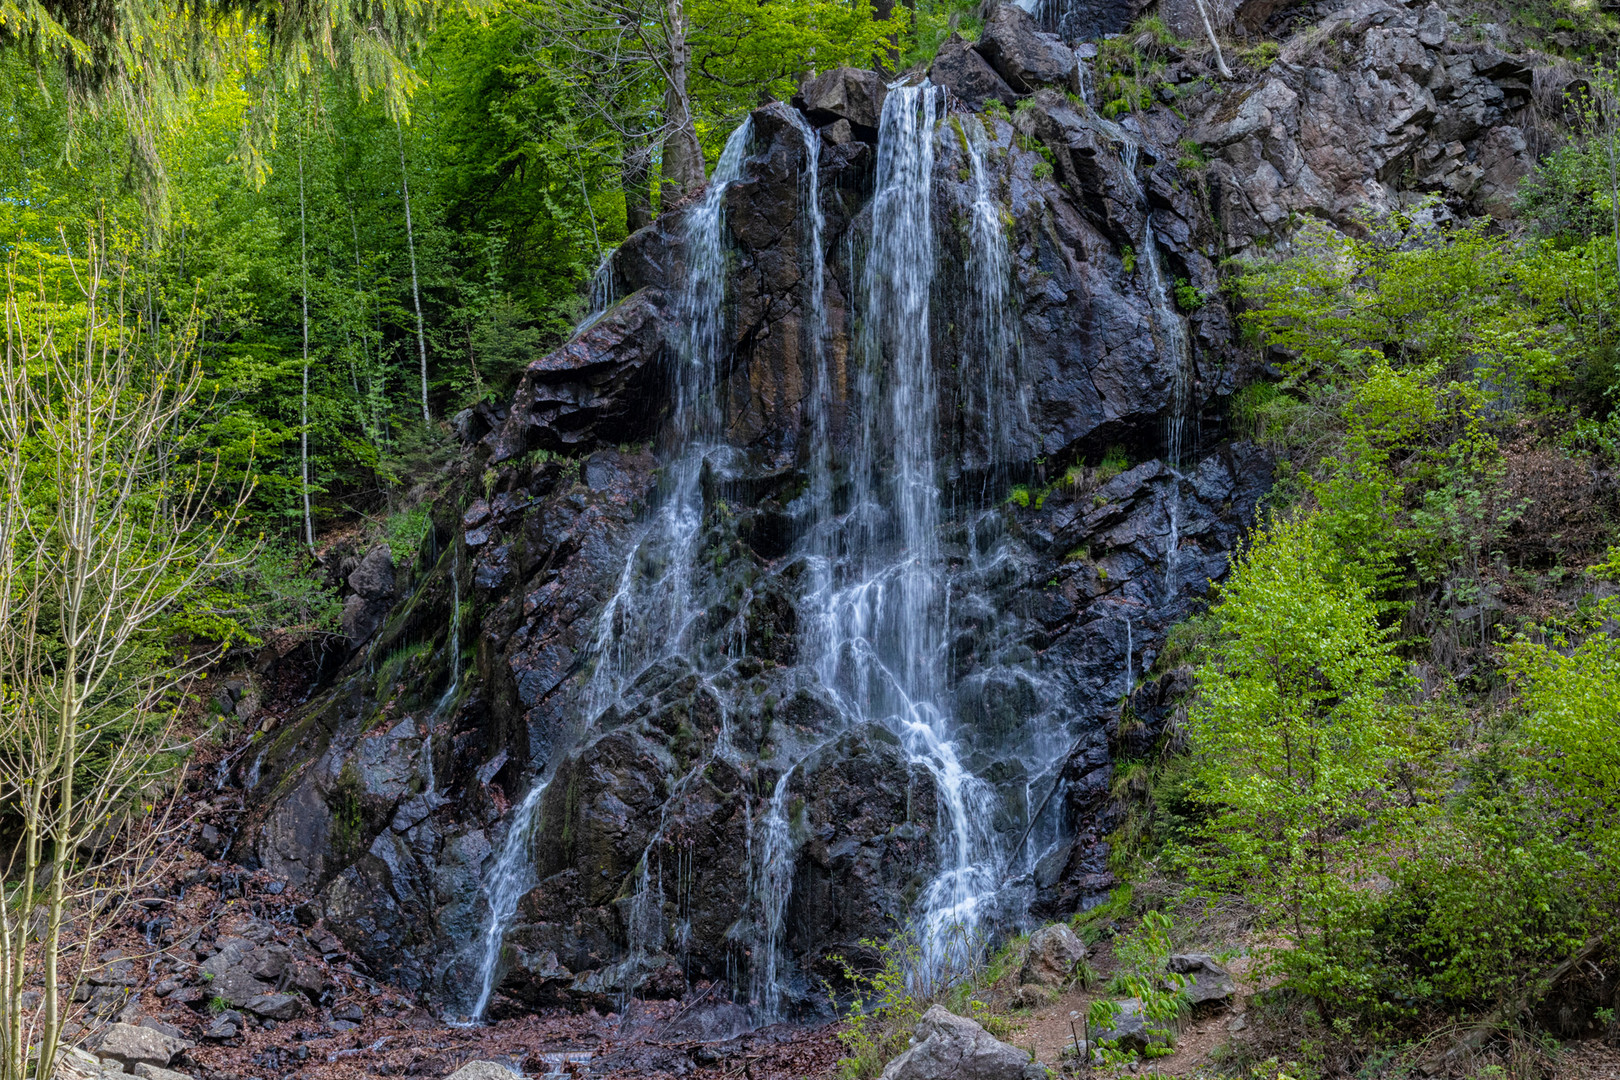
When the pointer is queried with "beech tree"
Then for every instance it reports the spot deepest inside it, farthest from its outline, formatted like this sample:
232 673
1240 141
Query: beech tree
1294 734
109 521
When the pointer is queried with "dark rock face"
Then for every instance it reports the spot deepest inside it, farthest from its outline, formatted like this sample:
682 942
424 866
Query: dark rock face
959 67
1083 20
845 94
600 387
391 796
1026 58
372 583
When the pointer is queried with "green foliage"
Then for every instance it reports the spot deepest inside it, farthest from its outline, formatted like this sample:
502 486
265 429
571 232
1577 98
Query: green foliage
1569 692
1188 298
1130 66
1295 722
1192 156
1260 56
1142 955
879 1010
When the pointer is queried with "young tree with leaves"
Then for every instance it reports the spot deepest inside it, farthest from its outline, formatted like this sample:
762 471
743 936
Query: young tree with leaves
109 521
1294 732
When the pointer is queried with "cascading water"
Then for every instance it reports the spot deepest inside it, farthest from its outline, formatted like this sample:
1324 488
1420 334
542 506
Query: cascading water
604 290
1171 334
648 615
509 878
883 611
774 881
1004 407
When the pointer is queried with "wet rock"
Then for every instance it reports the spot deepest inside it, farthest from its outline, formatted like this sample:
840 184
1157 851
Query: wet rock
959 66
1207 981
848 94
131 1043
1028 60
1054 954
1085 20
950 1047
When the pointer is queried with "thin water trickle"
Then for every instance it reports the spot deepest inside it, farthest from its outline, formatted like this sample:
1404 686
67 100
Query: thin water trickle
603 292
774 879
994 343
509 878
1171 334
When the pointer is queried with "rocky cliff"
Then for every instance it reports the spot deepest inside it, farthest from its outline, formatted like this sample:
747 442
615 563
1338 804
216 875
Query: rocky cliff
640 692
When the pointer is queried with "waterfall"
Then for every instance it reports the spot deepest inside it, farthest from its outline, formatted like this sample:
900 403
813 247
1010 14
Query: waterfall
884 607
603 292
509 879
648 615
994 341
774 883
1173 339
1171 336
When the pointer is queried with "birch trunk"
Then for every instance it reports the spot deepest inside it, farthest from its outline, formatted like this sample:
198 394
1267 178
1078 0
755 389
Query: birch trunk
303 288
416 291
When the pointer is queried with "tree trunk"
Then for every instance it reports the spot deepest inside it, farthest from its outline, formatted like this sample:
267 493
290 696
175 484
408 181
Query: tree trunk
883 11
683 156
303 287
637 191
416 291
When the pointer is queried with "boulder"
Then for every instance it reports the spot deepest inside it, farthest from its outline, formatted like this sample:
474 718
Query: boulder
592 391
227 1025
152 1072
1207 981
1054 953
950 1047
482 1070
845 94
1022 55
959 67
75 1064
373 585
274 1006
1131 1030
132 1043
374 577
238 987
